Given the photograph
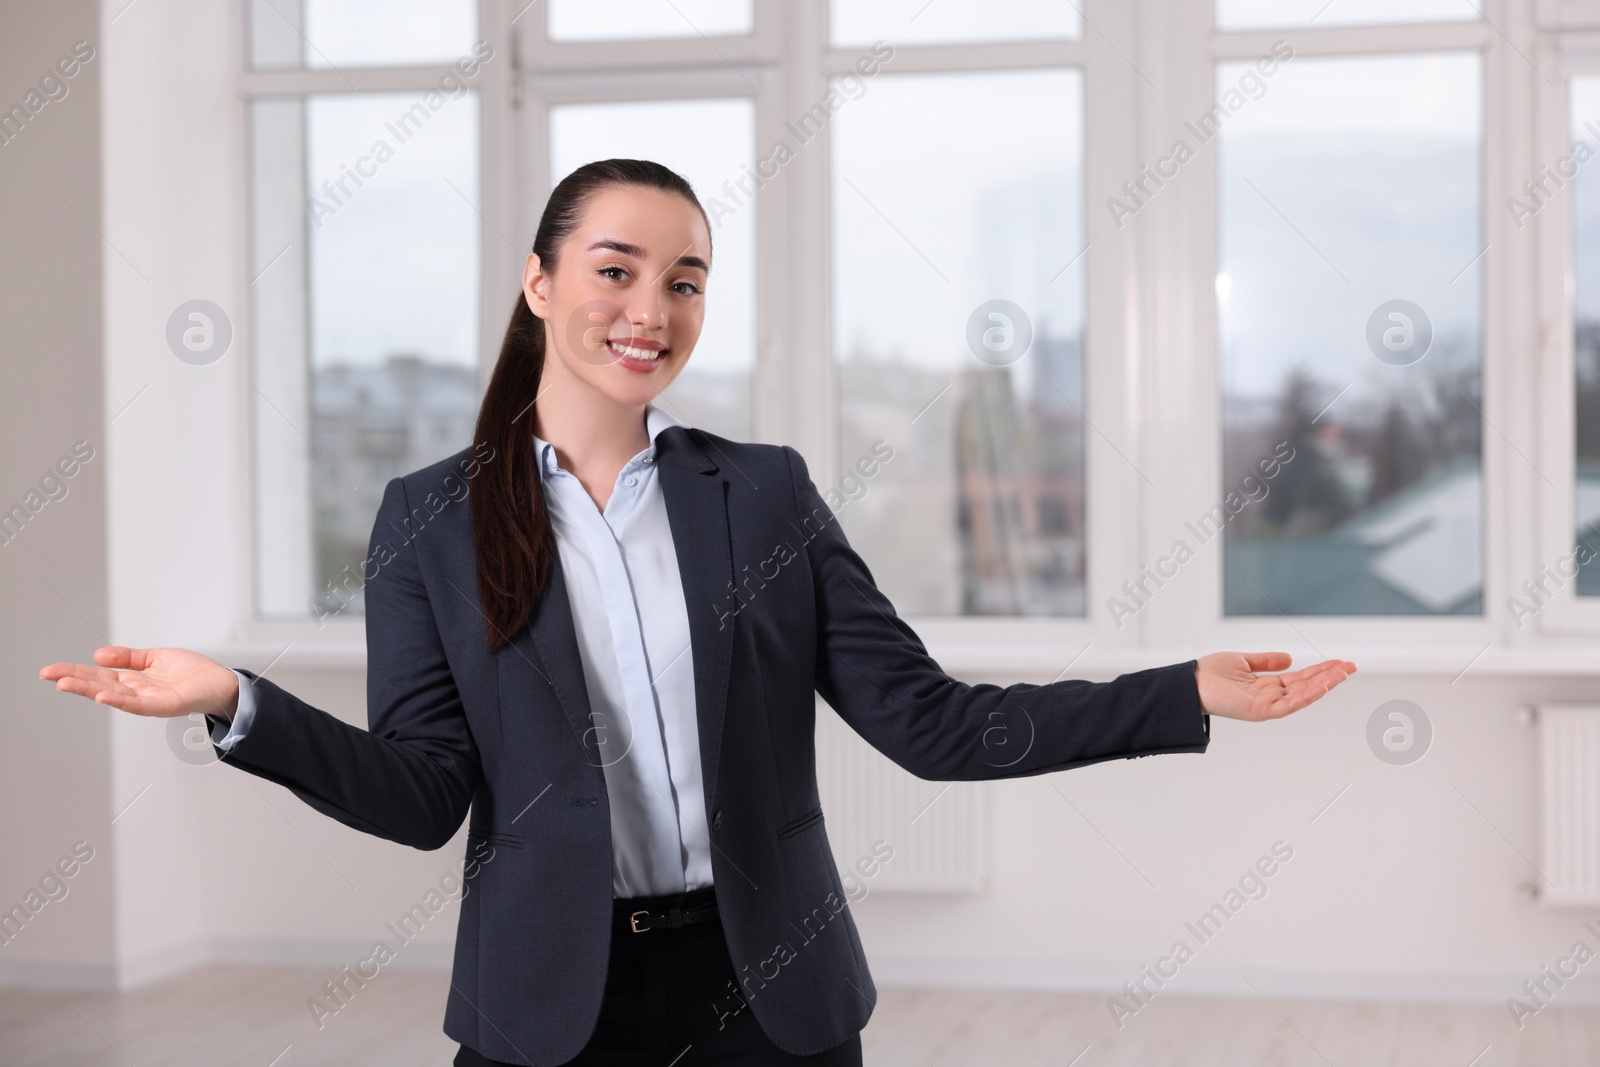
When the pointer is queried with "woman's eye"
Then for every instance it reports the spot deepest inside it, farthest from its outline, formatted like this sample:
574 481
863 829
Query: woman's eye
693 288
607 270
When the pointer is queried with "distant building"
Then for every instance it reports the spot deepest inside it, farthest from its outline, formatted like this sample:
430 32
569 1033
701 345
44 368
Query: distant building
371 424
1020 491
1419 552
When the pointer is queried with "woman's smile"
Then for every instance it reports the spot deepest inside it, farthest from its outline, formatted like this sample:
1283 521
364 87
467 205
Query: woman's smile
638 354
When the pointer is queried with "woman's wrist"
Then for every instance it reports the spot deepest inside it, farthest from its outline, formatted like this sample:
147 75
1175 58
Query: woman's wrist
226 704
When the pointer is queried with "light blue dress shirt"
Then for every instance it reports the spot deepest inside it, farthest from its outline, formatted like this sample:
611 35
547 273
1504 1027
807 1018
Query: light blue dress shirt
632 624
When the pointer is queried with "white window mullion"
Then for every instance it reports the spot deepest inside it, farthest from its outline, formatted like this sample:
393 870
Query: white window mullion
1518 75
803 410
1175 414
505 237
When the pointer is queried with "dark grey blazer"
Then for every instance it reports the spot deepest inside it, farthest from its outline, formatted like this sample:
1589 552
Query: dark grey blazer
452 726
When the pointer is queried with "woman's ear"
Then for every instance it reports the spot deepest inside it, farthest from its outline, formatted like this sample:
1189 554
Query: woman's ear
535 286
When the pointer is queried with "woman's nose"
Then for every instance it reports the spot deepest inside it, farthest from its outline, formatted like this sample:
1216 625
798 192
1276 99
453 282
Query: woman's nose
648 315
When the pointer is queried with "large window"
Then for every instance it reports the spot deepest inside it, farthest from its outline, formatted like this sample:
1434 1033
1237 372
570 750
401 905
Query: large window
1023 341
857 23
585 20
958 327
364 267
1305 14
334 34
1350 307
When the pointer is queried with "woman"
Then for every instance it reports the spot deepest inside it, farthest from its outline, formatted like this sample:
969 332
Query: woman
610 657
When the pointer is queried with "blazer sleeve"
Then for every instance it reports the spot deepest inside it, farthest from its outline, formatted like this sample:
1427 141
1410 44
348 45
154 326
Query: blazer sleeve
410 777
874 671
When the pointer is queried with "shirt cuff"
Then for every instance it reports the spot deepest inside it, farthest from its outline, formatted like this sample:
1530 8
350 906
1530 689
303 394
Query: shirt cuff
225 735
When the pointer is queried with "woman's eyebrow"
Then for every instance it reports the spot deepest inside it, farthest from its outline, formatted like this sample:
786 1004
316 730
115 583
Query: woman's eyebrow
639 253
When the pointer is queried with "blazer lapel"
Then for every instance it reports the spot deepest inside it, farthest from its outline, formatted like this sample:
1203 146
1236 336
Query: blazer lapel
549 645
697 511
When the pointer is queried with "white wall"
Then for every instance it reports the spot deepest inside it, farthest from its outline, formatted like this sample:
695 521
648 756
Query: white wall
1404 886
56 786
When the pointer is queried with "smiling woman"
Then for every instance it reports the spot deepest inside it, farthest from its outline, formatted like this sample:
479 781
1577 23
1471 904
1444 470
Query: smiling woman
569 634
636 281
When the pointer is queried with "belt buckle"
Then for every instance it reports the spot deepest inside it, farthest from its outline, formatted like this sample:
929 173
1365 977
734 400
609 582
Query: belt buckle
633 921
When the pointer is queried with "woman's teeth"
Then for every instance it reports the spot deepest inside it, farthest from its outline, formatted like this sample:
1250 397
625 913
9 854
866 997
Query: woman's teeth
636 353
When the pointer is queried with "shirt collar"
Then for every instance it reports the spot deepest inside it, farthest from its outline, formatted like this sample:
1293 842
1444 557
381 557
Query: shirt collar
655 420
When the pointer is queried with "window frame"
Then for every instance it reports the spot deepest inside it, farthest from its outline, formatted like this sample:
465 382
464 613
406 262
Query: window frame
1568 14
1423 642
1566 616
343 638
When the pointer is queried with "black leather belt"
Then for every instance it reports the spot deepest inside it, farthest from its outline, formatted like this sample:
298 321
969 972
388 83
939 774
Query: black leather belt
667 913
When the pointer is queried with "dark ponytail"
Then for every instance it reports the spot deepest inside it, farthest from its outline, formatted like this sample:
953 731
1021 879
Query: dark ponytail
511 531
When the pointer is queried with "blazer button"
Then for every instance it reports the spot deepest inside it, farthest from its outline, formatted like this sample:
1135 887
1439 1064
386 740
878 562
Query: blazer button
716 820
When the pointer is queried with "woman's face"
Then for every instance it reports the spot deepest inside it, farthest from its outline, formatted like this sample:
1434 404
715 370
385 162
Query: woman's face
624 306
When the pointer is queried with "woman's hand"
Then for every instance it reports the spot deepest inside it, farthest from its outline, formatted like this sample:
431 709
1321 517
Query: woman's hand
162 682
1230 688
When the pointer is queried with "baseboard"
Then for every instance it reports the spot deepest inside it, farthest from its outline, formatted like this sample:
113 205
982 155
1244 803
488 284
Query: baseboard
239 952
45 973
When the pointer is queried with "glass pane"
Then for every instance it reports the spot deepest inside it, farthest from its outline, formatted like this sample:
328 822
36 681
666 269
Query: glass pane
1585 193
712 144
958 327
381 276
854 23
1350 314
586 20
1256 14
362 33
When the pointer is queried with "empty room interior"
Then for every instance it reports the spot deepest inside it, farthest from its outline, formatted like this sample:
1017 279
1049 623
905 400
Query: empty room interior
1036 532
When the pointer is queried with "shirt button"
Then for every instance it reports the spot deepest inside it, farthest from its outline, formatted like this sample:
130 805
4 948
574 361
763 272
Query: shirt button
649 459
716 820
630 480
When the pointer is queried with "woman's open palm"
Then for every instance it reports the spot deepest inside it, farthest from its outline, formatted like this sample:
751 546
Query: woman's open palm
1231 687
160 682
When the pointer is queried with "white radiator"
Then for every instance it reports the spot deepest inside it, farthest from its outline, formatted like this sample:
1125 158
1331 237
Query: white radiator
1569 803
938 831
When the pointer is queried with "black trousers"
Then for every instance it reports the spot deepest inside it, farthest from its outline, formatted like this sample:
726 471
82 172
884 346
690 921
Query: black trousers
671 1001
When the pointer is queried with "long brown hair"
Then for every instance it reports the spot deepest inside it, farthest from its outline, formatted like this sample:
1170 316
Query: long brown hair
511 531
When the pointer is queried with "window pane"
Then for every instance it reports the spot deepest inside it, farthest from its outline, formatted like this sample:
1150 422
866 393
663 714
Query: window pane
1350 311
1585 193
586 20
1255 14
861 22
366 256
978 508
712 144
360 33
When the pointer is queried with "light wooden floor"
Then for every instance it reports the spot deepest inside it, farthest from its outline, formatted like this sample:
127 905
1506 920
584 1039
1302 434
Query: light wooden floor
257 1017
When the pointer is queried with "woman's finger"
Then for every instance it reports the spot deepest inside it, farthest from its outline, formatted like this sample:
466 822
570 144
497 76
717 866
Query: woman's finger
92 687
132 659
1315 685
104 686
1312 672
83 671
1267 661
130 700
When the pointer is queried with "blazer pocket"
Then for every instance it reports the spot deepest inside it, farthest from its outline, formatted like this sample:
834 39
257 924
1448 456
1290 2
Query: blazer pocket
508 840
794 826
